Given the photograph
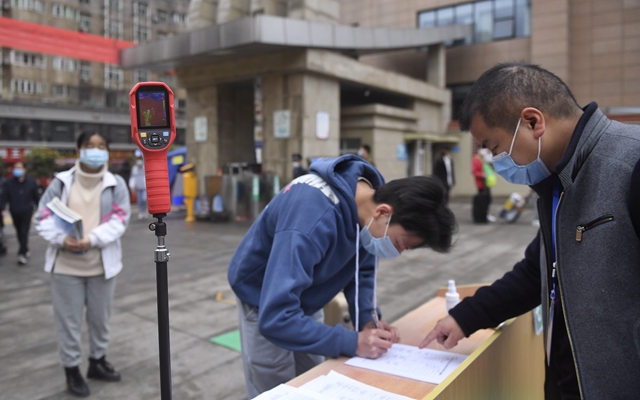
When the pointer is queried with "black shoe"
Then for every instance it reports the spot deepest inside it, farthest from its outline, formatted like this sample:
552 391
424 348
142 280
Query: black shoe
75 382
102 370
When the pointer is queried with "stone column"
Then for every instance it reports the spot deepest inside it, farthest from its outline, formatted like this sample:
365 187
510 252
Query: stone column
203 102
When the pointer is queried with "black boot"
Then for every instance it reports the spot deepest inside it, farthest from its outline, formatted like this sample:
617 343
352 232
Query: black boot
75 382
102 370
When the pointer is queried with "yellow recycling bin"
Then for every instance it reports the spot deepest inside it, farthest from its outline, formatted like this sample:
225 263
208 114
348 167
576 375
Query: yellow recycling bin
190 189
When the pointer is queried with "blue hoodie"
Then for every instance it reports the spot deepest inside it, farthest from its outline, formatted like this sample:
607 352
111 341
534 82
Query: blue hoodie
301 252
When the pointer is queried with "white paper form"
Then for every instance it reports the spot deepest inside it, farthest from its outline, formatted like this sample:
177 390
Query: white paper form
425 365
276 393
338 386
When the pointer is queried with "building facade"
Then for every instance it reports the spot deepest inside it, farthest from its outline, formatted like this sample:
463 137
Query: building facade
593 45
47 99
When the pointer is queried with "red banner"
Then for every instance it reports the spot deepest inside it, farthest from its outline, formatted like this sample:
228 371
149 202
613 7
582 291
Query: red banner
27 36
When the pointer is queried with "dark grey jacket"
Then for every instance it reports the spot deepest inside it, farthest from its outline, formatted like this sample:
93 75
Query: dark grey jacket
599 275
598 260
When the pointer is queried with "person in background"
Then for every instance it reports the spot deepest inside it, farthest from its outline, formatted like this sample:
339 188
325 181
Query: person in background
365 152
484 178
583 265
320 235
83 271
443 169
21 194
298 169
138 183
3 248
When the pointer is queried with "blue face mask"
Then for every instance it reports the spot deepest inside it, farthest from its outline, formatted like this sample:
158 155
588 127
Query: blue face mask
529 174
17 173
94 158
379 247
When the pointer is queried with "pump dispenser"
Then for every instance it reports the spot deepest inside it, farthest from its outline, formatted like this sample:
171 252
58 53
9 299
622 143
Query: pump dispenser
452 297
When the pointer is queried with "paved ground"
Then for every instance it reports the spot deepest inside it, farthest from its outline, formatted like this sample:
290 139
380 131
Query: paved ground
29 363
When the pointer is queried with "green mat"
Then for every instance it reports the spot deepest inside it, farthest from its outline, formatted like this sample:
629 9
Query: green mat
229 339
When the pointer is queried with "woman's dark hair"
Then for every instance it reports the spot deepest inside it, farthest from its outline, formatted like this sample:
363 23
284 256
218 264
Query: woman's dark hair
84 137
419 207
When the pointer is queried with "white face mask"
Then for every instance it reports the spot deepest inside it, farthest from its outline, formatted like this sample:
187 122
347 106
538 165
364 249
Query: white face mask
529 174
379 247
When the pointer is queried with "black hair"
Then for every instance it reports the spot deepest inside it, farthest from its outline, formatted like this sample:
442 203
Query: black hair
84 137
367 148
502 92
419 207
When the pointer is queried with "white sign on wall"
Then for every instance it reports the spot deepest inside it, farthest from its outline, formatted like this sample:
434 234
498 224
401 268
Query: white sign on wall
200 129
322 125
282 124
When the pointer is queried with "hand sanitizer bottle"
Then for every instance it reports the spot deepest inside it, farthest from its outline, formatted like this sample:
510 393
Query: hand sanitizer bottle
452 297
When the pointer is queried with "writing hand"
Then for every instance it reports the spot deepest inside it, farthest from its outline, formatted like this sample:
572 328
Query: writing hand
447 332
372 343
395 335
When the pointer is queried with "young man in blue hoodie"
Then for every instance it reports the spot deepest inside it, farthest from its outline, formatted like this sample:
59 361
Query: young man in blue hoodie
321 235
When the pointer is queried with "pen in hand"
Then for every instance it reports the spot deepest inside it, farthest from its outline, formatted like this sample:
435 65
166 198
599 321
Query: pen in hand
376 321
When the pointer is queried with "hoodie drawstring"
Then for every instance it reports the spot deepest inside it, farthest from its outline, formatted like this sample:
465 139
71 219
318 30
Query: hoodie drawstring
357 276
375 281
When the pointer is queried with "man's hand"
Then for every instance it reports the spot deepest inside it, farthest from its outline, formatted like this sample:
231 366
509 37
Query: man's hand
372 343
395 336
447 331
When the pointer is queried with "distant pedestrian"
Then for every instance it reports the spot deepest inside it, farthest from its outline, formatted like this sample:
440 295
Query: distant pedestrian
365 152
22 195
444 170
3 249
83 270
138 183
298 169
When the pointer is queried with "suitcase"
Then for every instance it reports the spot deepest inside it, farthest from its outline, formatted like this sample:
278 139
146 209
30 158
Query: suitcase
480 208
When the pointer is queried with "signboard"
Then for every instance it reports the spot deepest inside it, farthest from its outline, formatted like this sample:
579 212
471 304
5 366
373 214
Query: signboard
200 129
322 125
401 152
282 124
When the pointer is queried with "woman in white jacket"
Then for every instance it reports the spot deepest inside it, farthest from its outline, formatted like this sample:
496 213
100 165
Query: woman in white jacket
83 269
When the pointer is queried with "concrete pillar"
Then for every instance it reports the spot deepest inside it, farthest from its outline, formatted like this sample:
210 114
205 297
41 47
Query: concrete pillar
436 57
304 95
228 10
202 13
203 102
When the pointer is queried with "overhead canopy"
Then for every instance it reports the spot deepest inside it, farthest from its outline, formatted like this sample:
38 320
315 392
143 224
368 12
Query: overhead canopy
431 137
265 33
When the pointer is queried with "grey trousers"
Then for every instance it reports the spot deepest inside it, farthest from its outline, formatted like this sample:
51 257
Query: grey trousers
265 364
70 296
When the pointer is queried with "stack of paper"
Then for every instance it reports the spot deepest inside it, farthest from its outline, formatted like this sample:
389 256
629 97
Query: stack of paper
330 387
67 219
424 365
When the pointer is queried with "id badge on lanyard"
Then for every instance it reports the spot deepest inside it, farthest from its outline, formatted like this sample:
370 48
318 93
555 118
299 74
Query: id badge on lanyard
554 274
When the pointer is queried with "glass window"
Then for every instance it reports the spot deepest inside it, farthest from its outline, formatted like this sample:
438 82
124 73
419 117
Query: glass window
84 24
85 71
62 131
503 29
119 134
162 16
503 9
445 16
464 16
523 18
484 21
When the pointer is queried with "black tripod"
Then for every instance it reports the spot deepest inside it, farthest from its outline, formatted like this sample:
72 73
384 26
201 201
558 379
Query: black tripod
161 258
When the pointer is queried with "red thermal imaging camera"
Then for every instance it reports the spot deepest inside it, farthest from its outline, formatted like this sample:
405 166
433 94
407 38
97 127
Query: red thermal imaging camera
153 129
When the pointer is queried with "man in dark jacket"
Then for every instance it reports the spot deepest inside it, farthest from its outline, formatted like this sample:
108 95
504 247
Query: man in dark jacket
583 266
22 196
443 170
